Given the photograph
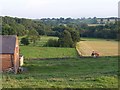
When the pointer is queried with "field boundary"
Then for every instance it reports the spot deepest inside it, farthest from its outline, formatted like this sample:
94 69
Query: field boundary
78 52
67 58
52 58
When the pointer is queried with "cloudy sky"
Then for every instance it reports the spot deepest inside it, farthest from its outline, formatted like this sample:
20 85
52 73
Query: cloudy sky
59 8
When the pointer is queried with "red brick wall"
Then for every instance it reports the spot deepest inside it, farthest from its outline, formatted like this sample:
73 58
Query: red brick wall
6 61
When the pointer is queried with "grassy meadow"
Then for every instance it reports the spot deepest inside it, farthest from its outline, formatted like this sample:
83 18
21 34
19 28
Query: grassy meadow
43 40
74 72
69 73
47 52
102 46
39 51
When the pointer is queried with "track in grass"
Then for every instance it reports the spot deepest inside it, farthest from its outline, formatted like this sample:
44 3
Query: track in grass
103 47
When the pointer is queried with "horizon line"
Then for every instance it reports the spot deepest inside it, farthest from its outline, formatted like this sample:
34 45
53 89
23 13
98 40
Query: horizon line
58 17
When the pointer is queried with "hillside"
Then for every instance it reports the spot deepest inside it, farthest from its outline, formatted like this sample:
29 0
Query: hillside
87 27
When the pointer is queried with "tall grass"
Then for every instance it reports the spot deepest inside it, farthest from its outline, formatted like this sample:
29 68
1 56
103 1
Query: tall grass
70 73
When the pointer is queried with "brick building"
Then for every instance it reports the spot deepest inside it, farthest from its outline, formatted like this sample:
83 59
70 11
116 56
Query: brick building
9 53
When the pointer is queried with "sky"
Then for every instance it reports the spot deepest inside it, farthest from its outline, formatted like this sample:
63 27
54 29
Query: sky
59 8
119 10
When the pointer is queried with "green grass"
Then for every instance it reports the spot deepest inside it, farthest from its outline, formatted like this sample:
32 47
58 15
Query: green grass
43 40
38 51
47 52
69 73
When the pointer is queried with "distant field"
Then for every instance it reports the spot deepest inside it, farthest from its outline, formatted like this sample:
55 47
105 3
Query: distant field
96 24
70 73
38 51
103 47
43 40
47 52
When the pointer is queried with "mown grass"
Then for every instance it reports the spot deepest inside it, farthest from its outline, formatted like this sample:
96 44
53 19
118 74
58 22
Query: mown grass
102 46
47 52
69 73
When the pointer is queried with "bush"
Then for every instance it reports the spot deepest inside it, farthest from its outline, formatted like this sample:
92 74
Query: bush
25 41
52 43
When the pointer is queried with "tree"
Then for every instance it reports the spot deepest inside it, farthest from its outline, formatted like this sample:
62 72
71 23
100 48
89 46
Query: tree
8 30
65 40
59 28
25 41
41 32
21 30
75 36
33 36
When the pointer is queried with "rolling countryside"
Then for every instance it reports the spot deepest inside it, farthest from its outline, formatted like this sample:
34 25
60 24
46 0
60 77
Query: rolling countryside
49 49
63 68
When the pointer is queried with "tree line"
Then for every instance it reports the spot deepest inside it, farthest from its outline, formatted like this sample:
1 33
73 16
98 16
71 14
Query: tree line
63 28
107 31
44 26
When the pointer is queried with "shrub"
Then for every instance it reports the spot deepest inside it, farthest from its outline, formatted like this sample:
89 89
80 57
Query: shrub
52 43
25 41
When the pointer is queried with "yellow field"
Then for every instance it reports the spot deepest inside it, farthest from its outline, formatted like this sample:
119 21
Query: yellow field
103 47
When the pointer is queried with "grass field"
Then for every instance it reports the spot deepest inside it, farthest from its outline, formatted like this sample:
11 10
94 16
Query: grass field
66 73
96 24
103 47
69 73
43 40
38 51
47 52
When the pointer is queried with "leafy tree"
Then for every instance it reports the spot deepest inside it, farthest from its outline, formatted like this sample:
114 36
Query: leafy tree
8 30
41 32
33 36
25 41
65 40
75 36
59 28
